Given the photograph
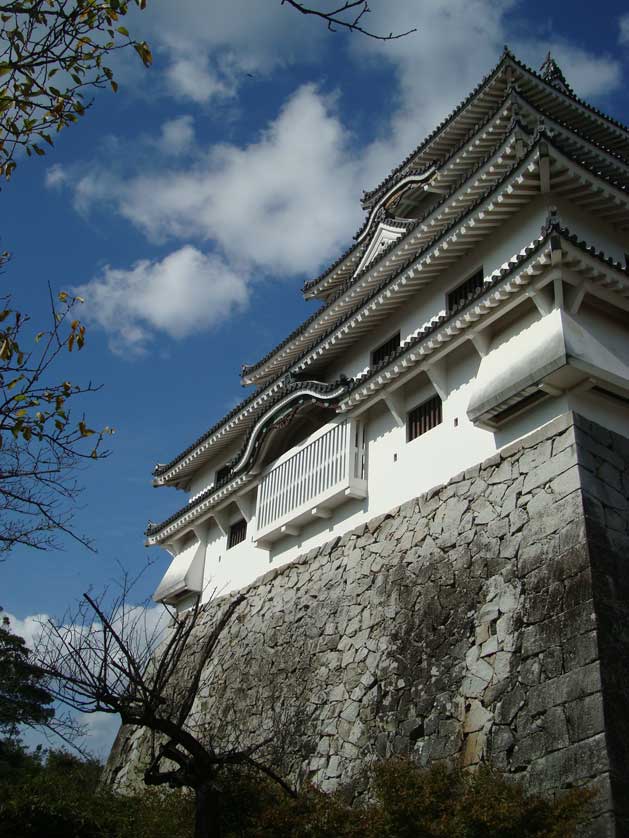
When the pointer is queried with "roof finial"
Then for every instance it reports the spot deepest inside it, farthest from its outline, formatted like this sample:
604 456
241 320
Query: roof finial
552 73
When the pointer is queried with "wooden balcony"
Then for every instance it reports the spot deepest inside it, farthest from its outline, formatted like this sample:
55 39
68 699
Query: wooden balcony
311 480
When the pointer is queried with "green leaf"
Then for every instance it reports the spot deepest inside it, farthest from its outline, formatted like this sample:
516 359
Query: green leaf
123 31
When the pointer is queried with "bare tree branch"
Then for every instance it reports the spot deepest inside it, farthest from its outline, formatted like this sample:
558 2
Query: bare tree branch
349 16
104 657
41 444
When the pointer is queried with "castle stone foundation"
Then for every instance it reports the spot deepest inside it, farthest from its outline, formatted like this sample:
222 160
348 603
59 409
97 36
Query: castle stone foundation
487 620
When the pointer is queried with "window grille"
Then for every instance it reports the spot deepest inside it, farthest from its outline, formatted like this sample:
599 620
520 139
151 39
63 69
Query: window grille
424 418
237 533
385 350
221 475
464 292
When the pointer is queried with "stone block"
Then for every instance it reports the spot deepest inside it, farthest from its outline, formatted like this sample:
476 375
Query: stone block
476 717
585 717
568 687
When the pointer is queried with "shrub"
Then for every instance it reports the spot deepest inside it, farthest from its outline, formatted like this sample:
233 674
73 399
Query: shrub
59 797
406 802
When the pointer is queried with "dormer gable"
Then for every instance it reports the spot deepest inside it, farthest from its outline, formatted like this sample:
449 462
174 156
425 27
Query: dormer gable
384 235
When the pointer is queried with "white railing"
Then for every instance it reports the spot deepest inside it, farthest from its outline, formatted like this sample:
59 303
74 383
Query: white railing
332 463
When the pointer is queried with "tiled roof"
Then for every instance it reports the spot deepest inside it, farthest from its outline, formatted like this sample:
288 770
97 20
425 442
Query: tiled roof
551 228
291 386
163 468
550 79
409 225
396 177
368 195
538 135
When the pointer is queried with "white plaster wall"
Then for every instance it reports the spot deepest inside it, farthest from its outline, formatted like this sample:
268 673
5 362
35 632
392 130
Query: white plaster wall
421 464
399 470
593 230
205 475
610 331
430 301
606 410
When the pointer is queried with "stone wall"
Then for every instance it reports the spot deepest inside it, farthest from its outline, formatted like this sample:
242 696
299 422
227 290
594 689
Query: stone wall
486 620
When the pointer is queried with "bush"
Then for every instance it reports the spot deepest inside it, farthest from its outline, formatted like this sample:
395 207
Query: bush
407 802
58 796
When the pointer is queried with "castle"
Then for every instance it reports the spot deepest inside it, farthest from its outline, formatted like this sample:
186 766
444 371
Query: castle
426 493
485 294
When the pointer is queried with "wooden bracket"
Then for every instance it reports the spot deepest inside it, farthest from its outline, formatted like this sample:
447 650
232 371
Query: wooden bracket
543 299
438 375
574 296
482 342
397 407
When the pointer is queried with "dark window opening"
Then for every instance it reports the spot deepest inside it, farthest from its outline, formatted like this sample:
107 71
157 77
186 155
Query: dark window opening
518 407
237 533
221 475
602 391
465 292
424 418
385 350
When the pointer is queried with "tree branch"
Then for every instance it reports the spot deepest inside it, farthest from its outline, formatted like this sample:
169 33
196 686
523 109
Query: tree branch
348 16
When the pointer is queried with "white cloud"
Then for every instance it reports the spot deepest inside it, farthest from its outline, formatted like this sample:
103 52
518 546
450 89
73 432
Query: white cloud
209 49
185 292
286 202
29 628
55 176
146 623
590 75
177 135
456 44
281 205
191 78
623 25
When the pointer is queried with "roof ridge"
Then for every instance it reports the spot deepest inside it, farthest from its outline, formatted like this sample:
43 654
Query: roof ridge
368 194
410 224
163 468
443 161
564 125
506 54
597 111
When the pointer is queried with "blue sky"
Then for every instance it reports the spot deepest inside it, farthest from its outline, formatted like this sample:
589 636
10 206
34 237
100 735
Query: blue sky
190 207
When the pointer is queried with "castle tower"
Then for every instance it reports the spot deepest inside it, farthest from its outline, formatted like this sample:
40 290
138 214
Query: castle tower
434 465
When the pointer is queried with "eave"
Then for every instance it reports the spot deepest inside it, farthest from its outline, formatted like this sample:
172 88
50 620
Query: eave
241 475
480 141
451 135
506 288
380 294
576 112
609 166
480 182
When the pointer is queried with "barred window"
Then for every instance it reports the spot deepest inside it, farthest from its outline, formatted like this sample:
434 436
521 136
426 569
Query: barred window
423 418
221 475
237 533
464 292
385 350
